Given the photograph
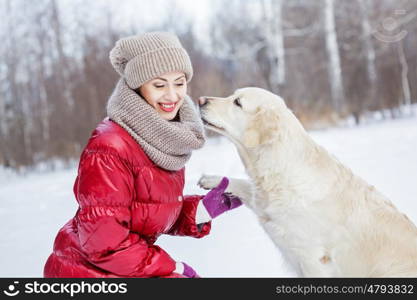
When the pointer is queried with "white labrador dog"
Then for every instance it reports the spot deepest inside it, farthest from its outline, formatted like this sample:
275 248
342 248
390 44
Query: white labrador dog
326 221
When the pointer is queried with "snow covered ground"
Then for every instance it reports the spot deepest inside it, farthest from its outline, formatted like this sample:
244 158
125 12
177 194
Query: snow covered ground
35 206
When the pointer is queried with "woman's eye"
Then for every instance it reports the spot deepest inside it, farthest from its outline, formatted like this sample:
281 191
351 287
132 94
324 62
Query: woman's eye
180 84
237 102
158 86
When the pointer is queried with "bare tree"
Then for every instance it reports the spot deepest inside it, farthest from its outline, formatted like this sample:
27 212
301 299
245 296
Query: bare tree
334 66
406 100
17 135
274 39
365 7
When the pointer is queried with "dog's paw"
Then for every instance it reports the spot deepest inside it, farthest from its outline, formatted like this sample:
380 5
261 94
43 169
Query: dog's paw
208 182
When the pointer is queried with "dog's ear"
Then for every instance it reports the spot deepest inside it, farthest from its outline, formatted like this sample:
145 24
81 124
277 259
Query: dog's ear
262 128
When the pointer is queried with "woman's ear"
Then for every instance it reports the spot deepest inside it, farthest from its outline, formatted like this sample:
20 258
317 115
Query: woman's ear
262 128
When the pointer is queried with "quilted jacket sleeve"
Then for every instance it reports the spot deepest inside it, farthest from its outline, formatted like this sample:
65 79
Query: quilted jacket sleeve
186 223
104 190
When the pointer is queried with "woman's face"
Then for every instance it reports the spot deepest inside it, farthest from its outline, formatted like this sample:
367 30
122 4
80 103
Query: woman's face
165 93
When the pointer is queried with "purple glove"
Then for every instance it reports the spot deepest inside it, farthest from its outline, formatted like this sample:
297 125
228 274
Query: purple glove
217 201
184 269
189 272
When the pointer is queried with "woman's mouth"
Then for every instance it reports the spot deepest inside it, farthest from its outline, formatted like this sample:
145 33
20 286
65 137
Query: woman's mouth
167 107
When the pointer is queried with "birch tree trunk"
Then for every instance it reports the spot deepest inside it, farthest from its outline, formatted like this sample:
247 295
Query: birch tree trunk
65 82
44 109
4 153
274 36
334 66
369 50
405 104
13 126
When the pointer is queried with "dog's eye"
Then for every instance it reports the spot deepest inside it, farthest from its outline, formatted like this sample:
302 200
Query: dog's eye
237 102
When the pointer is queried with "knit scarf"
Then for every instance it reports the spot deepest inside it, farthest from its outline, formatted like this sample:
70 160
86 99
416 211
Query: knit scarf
167 143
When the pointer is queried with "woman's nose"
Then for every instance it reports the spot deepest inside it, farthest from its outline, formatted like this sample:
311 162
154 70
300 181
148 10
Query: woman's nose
172 95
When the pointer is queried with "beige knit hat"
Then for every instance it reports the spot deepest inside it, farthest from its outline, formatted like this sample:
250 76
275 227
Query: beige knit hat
141 58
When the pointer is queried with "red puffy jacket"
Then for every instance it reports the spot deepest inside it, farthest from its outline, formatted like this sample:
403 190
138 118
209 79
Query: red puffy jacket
125 203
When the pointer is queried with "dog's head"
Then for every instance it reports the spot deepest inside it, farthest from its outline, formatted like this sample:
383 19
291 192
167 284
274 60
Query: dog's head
251 116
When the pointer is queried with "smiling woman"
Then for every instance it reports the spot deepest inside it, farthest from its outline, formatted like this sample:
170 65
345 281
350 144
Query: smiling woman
131 174
165 93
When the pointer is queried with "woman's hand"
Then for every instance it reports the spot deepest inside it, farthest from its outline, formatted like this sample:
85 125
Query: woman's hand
184 269
217 201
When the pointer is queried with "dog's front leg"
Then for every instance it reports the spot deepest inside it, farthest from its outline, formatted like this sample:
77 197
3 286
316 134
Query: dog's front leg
241 188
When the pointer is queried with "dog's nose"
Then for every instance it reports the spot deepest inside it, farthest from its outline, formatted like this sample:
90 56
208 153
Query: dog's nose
202 101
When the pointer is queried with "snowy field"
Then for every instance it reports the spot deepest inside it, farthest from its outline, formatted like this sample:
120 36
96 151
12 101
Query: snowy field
34 207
